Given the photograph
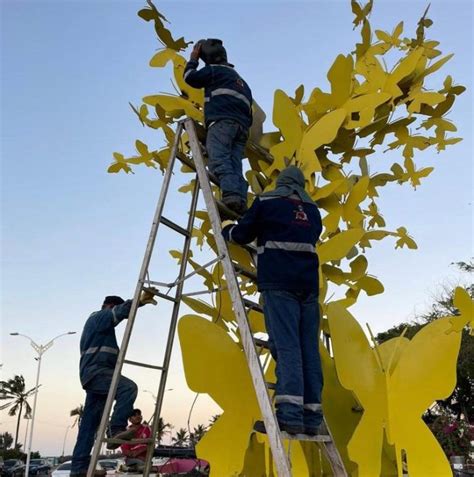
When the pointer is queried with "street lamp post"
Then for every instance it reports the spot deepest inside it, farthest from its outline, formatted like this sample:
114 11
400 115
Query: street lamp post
154 400
64 441
40 349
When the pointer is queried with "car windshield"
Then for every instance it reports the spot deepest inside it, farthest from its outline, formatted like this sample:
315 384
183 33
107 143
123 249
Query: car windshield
66 466
10 462
36 462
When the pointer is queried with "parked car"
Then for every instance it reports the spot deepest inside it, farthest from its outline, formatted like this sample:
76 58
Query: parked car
1 465
13 468
39 467
111 466
65 469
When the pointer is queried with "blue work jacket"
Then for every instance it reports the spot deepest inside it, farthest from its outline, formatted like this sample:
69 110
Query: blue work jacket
226 94
99 348
286 230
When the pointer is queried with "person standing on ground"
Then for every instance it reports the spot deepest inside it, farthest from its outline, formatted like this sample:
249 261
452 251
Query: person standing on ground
228 117
99 351
287 224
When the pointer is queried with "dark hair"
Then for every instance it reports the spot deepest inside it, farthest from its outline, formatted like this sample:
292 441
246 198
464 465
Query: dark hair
136 412
213 52
113 300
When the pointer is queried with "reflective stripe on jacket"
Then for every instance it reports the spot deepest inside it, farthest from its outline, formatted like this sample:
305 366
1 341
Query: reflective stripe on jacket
226 94
99 348
286 230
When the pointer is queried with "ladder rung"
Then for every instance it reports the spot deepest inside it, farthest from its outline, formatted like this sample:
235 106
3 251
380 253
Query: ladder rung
161 295
305 437
143 365
261 343
252 305
174 226
246 273
111 440
188 162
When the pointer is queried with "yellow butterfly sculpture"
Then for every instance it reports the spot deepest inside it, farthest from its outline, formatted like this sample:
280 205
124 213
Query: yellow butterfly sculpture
395 383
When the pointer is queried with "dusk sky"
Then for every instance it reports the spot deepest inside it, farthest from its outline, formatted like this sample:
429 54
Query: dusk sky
72 233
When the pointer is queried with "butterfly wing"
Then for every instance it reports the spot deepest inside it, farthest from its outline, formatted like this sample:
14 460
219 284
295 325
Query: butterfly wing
358 370
214 364
425 372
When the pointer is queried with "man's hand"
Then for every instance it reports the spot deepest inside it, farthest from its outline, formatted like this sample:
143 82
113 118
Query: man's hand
148 296
196 50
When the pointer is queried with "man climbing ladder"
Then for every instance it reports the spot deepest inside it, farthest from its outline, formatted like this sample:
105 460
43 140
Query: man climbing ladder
228 117
287 225
99 351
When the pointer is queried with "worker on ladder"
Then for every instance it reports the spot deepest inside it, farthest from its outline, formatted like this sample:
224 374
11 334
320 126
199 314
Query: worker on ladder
228 117
99 351
287 224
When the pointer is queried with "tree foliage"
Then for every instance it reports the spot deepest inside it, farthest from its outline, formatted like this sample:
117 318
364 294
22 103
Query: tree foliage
13 391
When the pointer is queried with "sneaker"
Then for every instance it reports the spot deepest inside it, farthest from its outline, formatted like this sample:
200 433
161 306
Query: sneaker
259 426
125 435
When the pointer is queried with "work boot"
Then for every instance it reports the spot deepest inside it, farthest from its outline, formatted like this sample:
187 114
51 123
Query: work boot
233 203
125 435
242 208
259 426
320 430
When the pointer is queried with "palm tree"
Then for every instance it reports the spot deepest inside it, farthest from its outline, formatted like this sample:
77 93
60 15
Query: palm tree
162 429
78 412
13 390
213 420
197 434
181 437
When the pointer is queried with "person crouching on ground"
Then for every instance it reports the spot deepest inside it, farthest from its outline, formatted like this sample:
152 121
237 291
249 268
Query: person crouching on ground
140 431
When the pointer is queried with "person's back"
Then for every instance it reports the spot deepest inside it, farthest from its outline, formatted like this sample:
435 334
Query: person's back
288 230
287 224
98 345
228 117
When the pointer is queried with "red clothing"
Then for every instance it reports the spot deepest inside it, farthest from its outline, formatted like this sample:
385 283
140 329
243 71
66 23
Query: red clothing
137 451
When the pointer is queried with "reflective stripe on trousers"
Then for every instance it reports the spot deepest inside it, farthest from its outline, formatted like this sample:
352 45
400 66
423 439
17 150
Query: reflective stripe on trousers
290 399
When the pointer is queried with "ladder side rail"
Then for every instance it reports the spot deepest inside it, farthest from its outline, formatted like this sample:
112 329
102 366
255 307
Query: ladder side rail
332 454
133 311
281 462
172 327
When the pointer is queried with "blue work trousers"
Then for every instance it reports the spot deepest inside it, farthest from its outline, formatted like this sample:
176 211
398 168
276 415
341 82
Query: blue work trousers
225 144
96 396
292 321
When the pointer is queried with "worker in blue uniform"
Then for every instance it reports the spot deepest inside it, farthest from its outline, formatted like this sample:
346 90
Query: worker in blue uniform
99 352
228 117
287 225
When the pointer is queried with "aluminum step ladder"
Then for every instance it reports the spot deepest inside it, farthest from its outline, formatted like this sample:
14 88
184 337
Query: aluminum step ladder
202 181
